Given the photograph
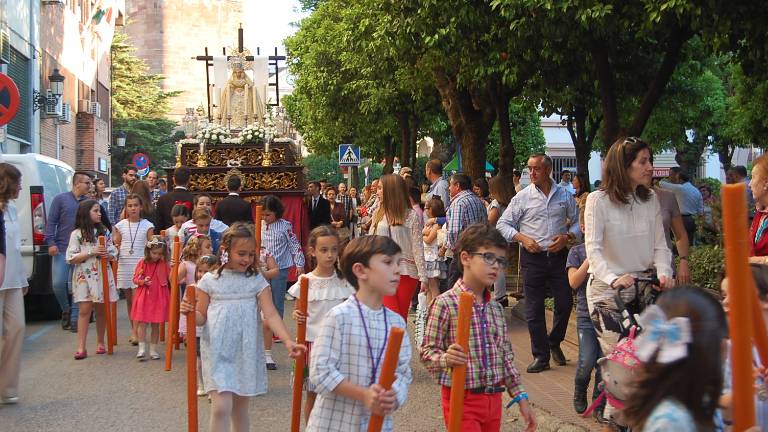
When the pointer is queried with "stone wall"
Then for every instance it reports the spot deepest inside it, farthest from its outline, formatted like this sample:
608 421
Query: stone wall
168 33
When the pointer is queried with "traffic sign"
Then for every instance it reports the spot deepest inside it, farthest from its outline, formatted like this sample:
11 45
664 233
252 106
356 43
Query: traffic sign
140 161
9 99
349 155
143 172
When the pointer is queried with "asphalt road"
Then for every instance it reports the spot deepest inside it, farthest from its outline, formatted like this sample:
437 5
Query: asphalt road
118 393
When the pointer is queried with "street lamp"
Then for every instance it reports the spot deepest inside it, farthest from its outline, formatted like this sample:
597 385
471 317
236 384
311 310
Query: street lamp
121 136
52 95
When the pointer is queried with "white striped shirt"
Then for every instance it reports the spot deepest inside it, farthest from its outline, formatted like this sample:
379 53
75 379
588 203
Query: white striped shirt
279 240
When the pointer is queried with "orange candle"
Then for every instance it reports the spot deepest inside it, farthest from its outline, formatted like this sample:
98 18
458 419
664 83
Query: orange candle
459 374
298 373
173 305
741 312
258 229
191 364
388 368
107 304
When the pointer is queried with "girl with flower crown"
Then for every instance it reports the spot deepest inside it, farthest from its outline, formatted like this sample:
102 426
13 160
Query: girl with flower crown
150 302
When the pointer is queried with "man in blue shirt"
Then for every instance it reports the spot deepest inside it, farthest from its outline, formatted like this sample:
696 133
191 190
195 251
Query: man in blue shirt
688 198
541 218
61 223
439 187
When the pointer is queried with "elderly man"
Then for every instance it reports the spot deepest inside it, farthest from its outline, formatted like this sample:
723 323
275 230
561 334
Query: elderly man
439 187
541 217
154 187
466 209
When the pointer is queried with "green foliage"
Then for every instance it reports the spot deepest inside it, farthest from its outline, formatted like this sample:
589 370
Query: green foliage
319 167
707 264
527 135
140 106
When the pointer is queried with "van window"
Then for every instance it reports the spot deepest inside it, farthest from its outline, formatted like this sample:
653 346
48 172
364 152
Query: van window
65 178
50 179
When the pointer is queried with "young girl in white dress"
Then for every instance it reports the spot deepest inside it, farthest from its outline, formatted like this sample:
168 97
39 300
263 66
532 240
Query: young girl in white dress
326 290
84 254
230 301
131 235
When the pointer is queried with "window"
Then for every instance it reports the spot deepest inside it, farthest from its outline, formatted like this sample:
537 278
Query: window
18 70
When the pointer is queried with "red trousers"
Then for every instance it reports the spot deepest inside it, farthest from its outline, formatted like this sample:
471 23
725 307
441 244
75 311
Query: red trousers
482 412
401 301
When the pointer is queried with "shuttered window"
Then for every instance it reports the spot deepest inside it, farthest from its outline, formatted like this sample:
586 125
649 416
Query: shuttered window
18 70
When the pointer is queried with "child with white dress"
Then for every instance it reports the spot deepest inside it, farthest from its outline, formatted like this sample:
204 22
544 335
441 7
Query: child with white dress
434 263
326 290
130 236
84 253
229 304
199 245
347 353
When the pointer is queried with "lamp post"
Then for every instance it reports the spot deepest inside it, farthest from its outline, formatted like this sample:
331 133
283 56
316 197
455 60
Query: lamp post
121 137
52 95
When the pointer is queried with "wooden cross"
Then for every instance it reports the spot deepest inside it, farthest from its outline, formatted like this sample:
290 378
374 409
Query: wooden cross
272 61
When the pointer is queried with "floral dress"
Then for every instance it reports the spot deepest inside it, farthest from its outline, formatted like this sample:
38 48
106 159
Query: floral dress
86 276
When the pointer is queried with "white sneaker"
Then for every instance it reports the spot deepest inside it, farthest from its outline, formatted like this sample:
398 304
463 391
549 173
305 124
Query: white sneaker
154 355
142 354
9 400
201 391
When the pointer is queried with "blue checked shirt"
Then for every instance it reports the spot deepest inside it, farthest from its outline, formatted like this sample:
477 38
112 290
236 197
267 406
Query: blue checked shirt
279 240
116 203
539 216
466 208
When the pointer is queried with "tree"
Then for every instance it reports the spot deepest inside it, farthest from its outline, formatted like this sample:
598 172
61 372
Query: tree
525 134
139 106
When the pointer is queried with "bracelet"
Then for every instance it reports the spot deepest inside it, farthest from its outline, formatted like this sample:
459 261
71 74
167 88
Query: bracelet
517 399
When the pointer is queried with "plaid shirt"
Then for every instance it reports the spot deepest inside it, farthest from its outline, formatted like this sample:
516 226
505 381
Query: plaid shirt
340 352
279 240
440 333
466 208
347 201
116 203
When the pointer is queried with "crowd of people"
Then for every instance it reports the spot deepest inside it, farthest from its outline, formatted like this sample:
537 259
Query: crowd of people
374 257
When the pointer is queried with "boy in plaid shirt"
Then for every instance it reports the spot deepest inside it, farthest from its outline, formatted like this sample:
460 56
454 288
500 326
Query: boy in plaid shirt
481 255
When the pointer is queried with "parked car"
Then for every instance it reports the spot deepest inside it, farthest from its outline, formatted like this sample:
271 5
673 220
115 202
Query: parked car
42 178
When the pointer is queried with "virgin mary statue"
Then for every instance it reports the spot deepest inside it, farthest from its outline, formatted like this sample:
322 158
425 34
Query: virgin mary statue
240 103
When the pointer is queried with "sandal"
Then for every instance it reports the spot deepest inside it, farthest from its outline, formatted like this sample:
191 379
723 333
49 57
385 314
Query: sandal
133 341
81 355
100 349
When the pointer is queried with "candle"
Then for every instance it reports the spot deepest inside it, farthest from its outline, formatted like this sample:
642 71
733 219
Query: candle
202 147
107 304
191 364
173 305
258 229
388 368
459 374
740 298
298 371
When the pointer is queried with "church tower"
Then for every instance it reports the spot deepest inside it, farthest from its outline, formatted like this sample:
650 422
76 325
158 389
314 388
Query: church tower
168 33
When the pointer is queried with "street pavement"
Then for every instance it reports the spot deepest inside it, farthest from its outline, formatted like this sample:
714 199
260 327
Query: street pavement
118 393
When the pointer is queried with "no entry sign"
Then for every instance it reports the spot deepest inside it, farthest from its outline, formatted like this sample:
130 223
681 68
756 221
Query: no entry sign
140 161
9 99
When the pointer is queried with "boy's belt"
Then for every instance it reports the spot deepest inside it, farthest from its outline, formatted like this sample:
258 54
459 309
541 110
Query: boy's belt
488 390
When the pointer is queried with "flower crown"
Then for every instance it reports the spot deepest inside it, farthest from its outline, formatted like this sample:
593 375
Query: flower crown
155 242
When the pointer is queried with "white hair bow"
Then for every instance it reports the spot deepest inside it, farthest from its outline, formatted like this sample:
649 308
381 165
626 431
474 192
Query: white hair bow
670 338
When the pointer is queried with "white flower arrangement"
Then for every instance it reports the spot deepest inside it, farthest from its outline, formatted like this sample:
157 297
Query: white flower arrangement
213 134
189 141
256 134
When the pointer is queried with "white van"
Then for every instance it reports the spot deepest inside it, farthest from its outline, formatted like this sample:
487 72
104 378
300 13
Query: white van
42 178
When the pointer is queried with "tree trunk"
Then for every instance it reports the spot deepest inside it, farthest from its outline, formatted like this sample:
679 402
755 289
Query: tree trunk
414 139
688 154
471 118
389 154
583 132
724 149
507 150
403 121
354 176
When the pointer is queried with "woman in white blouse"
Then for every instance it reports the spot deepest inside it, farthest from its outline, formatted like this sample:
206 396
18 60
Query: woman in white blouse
624 239
394 218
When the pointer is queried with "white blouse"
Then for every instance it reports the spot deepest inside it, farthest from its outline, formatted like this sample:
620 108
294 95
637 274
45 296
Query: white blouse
15 271
625 238
408 236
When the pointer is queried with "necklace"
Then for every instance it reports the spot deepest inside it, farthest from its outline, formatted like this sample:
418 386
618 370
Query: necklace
375 361
133 236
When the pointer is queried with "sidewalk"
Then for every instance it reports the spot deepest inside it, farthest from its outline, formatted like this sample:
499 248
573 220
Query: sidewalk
552 390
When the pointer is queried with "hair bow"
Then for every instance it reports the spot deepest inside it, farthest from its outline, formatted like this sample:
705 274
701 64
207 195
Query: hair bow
184 203
670 338
155 241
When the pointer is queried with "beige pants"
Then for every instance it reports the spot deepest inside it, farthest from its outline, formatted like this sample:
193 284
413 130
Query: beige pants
12 336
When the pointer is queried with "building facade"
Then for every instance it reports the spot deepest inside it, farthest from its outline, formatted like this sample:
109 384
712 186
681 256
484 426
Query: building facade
73 36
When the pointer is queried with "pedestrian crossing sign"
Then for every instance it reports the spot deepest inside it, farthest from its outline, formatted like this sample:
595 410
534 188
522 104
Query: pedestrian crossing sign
349 155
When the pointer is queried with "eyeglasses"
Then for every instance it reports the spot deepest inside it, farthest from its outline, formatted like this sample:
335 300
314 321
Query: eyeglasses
490 258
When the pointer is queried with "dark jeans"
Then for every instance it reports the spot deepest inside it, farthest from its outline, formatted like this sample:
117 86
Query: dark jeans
690 228
589 352
541 271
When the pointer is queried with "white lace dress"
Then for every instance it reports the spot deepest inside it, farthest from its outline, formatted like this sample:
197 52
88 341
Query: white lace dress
231 345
